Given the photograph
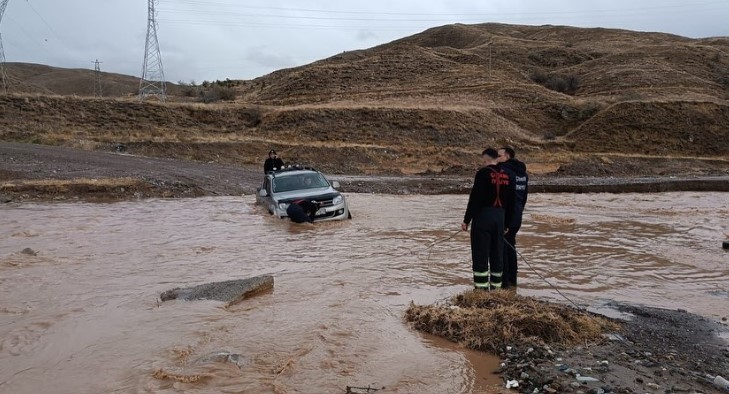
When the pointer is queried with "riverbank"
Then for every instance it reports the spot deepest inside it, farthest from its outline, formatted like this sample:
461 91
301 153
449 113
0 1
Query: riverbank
31 172
552 348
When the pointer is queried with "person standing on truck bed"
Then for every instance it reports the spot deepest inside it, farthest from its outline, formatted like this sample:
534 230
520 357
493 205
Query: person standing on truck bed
273 162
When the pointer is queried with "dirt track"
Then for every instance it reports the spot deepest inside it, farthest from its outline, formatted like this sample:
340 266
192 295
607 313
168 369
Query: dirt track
159 177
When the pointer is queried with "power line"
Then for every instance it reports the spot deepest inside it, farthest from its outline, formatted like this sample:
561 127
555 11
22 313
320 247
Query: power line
153 76
682 5
43 20
208 22
20 27
220 16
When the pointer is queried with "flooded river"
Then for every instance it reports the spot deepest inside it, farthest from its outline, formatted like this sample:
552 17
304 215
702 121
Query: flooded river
82 315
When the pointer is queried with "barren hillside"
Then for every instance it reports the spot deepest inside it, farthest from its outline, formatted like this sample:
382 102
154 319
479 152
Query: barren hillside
429 102
28 78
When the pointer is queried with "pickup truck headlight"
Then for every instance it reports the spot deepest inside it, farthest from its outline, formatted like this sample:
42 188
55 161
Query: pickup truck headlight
337 200
283 206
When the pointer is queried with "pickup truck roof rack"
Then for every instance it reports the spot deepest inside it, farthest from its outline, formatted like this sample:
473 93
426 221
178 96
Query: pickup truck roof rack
294 167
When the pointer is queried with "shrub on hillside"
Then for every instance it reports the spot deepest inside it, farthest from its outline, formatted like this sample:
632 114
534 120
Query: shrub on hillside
536 57
228 83
227 94
540 77
588 110
254 116
724 81
217 93
187 89
567 84
579 113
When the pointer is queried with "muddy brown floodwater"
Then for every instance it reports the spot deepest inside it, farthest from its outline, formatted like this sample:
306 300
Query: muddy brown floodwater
81 316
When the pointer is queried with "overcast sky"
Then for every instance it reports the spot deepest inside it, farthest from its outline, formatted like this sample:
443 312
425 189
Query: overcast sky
243 39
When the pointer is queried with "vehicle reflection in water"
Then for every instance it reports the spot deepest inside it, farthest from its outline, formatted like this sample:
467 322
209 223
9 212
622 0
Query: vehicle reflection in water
82 315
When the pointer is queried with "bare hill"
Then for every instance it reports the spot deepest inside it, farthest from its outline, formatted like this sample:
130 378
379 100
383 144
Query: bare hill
37 78
430 102
42 79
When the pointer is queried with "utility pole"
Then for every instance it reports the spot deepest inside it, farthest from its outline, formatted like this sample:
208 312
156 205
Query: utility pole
97 78
489 45
153 77
3 75
489 62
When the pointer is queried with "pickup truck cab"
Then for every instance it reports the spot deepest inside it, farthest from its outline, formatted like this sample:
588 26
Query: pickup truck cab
281 187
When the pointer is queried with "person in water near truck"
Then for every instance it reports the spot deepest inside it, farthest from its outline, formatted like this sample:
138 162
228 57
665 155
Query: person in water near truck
490 205
302 211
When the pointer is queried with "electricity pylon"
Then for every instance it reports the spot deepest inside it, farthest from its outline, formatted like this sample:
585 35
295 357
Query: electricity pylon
3 75
97 78
153 77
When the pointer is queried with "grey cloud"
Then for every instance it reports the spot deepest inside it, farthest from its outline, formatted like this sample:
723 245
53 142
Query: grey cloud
366 35
261 56
248 39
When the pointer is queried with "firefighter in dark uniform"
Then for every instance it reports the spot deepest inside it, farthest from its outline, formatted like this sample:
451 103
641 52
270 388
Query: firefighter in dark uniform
520 179
490 205
302 211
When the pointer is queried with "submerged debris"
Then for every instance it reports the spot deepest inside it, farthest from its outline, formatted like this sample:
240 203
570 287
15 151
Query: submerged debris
160 374
29 252
362 390
223 357
231 291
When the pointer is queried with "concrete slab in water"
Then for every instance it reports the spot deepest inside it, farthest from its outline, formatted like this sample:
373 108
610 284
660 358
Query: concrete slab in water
230 291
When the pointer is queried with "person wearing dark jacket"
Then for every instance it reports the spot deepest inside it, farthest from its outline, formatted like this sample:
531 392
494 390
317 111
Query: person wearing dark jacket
302 211
273 162
520 179
490 205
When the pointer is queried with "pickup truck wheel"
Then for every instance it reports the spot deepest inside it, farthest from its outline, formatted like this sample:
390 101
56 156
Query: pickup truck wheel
349 215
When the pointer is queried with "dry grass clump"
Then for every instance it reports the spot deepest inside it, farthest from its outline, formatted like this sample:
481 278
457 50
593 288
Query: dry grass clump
77 186
489 321
50 183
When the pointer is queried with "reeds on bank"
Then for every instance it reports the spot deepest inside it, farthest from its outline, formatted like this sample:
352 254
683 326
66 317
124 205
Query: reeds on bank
490 321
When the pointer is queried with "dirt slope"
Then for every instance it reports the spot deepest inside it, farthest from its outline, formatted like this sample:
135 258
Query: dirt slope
429 102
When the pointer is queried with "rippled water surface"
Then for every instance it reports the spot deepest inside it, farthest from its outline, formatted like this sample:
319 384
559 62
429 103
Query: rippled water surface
82 315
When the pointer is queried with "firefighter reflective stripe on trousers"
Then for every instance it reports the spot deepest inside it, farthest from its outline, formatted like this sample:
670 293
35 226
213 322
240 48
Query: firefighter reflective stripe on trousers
481 279
496 280
476 273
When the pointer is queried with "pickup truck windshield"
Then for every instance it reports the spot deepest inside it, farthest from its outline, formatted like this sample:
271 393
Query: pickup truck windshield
299 182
